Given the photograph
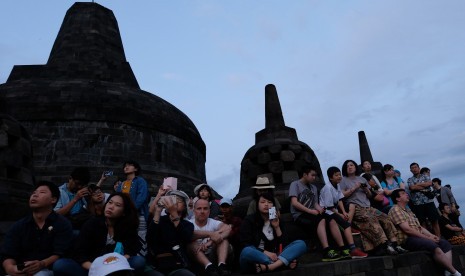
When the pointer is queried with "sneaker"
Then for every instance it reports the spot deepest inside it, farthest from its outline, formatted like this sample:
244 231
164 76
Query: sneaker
330 256
401 250
223 270
355 232
390 250
211 271
358 254
345 254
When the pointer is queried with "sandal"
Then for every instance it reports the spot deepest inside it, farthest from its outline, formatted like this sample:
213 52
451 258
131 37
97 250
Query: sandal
259 269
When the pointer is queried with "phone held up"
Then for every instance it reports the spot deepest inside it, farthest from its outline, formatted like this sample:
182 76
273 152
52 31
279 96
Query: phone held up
272 213
108 173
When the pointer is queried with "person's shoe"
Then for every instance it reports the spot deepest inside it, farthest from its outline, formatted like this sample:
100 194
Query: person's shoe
401 250
390 250
211 271
358 254
330 256
355 232
345 254
223 270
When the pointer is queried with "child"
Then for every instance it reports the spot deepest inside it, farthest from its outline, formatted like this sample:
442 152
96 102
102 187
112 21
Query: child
330 198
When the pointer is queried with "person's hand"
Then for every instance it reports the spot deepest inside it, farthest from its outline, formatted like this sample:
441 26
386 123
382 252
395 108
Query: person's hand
32 267
82 193
271 255
345 215
357 185
170 207
275 222
103 177
13 270
216 237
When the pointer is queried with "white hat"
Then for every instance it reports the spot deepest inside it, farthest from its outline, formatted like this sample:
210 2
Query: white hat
181 194
109 263
226 201
197 188
263 183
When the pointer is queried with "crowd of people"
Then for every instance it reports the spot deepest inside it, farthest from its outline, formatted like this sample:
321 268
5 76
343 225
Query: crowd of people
78 229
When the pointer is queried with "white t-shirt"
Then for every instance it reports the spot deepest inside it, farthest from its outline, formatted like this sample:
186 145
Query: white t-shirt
329 197
211 226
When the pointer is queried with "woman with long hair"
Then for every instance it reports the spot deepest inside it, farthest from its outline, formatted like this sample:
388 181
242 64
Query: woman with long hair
262 241
115 231
377 229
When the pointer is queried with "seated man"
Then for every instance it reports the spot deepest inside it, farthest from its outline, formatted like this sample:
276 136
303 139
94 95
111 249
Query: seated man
311 216
209 240
227 216
415 237
449 230
35 242
72 197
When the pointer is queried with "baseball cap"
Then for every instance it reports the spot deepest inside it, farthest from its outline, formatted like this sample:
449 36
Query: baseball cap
226 201
109 263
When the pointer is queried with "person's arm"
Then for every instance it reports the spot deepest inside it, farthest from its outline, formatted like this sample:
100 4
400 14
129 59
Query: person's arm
453 228
299 206
141 193
68 206
348 192
405 227
420 186
9 265
224 231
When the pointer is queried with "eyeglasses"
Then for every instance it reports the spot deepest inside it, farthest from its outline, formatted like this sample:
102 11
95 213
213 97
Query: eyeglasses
97 193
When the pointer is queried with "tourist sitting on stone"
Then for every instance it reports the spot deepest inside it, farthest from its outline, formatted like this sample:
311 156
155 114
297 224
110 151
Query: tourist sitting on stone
376 228
262 185
204 191
168 236
308 214
449 230
378 200
210 241
137 188
35 242
227 216
415 237
444 195
116 231
264 246
96 201
390 182
73 198
330 200
366 168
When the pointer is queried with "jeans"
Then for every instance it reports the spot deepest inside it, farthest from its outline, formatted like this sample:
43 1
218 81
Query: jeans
250 255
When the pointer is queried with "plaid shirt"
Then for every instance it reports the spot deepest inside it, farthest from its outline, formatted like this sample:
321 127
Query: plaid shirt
398 216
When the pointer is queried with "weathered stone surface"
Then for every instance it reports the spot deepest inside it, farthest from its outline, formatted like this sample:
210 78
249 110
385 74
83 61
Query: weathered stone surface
84 107
287 156
277 151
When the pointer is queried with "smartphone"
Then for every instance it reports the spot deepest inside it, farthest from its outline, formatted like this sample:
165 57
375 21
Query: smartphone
21 266
108 173
272 213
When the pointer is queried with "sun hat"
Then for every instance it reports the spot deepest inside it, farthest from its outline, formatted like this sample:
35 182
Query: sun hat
263 183
198 187
109 263
179 193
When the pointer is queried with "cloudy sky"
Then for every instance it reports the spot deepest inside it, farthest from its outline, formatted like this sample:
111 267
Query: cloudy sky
395 69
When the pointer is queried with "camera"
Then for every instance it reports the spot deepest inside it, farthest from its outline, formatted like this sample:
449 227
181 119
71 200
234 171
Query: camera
108 173
163 199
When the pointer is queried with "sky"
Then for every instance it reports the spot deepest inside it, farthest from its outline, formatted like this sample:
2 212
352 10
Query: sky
394 69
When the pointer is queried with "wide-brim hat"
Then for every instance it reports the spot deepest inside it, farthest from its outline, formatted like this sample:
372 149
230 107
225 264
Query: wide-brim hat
263 183
109 263
181 194
198 187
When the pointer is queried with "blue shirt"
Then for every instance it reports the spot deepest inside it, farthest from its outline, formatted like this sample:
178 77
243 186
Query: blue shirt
65 197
